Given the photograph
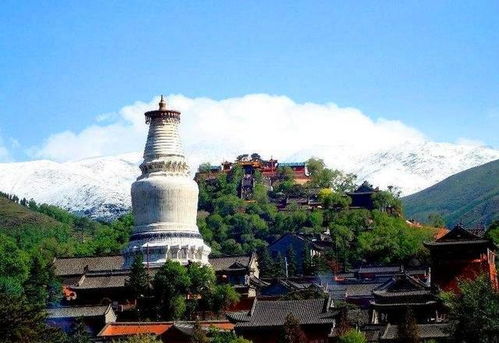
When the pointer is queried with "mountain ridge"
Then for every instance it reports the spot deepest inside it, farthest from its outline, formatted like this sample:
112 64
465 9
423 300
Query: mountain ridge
470 197
100 187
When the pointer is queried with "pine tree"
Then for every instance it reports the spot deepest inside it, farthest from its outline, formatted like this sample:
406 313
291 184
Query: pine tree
198 335
279 266
292 332
308 268
41 286
291 260
79 333
139 281
23 321
265 263
407 331
139 284
343 325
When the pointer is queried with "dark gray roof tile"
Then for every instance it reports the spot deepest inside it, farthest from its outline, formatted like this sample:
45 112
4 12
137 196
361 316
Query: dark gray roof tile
273 313
77 312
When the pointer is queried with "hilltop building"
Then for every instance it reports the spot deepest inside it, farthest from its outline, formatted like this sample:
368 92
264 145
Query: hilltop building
362 196
269 169
462 255
250 164
165 198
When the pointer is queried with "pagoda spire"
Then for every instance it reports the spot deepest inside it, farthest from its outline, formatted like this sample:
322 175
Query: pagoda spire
162 104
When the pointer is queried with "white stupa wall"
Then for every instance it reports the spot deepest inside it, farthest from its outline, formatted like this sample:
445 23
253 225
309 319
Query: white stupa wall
164 198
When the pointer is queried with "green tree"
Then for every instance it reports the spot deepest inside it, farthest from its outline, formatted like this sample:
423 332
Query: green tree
14 265
202 278
227 205
474 311
140 285
265 263
387 201
204 167
223 297
279 269
291 260
334 200
292 332
226 337
198 334
139 281
308 266
352 336
140 339
436 220
171 284
493 232
41 286
407 330
392 240
22 321
343 239
79 333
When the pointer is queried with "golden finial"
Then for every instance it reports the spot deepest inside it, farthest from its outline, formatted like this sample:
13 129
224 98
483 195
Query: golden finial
162 104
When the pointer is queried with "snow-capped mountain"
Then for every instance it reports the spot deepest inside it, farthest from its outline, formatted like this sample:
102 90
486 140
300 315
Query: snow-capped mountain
100 187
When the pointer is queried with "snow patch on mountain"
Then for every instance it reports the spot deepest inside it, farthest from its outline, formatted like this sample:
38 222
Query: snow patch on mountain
100 187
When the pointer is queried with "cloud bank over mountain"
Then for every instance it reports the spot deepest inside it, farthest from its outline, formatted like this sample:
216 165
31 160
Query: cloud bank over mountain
271 125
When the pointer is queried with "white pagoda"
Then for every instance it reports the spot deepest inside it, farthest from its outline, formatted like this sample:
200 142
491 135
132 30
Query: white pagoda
165 198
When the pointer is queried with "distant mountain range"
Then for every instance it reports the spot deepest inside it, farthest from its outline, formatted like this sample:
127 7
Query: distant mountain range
470 197
100 187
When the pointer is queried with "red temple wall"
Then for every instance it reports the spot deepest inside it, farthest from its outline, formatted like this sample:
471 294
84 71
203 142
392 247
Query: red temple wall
447 275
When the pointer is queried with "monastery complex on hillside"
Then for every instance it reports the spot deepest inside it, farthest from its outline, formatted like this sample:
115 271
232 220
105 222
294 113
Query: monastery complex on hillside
164 201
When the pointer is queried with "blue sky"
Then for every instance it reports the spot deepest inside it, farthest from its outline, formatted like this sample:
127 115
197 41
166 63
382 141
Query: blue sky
434 65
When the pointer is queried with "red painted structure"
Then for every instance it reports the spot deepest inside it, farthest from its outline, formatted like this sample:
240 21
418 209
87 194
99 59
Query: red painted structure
268 168
461 255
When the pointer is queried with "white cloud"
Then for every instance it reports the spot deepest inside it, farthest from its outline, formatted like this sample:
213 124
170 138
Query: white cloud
216 129
470 142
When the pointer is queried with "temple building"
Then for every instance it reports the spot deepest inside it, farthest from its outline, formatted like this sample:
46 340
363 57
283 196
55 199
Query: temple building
165 198
362 196
265 321
404 291
462 255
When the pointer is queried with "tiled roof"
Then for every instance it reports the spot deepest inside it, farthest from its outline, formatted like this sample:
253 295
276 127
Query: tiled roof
360 289
157 328
134 328
230 262
379 270
188 327
77 265
459 236
402 285
426 331
76 312
273 313
92 281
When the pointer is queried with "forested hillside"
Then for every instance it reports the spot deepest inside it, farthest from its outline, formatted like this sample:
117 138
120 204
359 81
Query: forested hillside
32 234
470 197
233 226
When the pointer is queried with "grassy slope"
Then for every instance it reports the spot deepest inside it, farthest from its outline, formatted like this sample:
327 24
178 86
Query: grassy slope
13 215
470 197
